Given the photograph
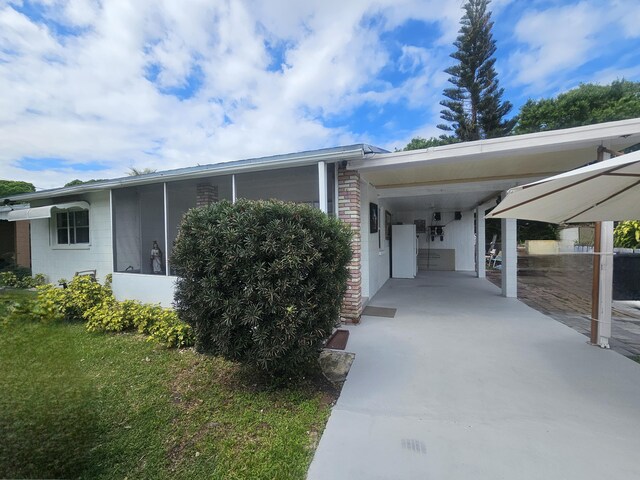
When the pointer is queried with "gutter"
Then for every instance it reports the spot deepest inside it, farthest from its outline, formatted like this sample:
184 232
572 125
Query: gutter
266 163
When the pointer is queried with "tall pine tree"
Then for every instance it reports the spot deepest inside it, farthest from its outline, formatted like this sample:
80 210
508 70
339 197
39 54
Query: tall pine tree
474 109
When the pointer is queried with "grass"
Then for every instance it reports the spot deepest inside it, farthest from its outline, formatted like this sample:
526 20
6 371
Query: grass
80 405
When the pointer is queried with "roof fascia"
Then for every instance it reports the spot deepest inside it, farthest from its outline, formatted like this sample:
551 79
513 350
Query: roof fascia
552 140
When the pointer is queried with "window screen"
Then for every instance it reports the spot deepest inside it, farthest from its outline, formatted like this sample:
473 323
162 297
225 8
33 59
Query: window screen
297 184
138 221
186 194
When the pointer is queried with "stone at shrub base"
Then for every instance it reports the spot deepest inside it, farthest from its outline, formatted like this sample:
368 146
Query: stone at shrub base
335 364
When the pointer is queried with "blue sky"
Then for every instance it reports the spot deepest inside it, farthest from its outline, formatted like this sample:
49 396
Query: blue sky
92 88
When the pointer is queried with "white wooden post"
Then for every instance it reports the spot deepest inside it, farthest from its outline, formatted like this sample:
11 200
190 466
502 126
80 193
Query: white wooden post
605 290
480 239
509 258
335 191
602 288
233 189
322 186
166 230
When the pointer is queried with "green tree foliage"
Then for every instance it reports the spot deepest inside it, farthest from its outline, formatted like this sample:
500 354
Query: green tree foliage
531 230
473 107
627 234
13 187
418 143
585 105
77 181
261 282
134 172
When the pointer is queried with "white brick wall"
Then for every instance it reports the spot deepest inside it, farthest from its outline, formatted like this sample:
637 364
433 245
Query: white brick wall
62 262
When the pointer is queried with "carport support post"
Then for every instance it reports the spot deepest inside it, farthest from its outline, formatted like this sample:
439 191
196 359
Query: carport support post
602 283
322 186
509 257
480 246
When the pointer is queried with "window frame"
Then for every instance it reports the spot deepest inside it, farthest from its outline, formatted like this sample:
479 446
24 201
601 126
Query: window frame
72 228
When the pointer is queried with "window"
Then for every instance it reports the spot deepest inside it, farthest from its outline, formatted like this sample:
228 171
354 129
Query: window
72 227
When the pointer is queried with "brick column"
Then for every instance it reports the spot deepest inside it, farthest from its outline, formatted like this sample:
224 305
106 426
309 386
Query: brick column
206 194
349 212
23 244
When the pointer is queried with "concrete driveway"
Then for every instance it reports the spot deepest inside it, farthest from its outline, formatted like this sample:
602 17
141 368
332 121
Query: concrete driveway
464 384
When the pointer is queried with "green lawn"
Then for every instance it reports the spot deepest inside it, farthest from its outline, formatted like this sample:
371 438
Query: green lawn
81 405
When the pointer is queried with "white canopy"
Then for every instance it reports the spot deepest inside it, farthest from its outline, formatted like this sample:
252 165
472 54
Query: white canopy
608 190
39 212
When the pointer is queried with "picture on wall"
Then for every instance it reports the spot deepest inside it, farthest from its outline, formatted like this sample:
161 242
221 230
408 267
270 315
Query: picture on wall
421 226
373 218
387 225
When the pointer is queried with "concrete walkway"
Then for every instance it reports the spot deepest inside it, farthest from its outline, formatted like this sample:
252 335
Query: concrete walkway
566 297
464 384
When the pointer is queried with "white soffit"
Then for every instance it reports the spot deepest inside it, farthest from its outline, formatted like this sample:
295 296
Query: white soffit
445 196
532 155
40 212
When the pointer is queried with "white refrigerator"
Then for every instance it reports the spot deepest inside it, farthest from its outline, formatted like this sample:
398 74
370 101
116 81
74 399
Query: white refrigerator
404 251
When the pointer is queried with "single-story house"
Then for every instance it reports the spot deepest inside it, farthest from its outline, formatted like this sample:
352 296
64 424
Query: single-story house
111 226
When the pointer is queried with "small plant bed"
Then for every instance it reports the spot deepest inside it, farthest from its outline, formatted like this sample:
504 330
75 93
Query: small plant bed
75 404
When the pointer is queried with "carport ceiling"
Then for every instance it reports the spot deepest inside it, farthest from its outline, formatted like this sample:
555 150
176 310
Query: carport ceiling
446 197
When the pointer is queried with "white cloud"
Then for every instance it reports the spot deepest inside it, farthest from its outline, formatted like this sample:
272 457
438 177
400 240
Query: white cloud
554 39
557 41
100 95
413 58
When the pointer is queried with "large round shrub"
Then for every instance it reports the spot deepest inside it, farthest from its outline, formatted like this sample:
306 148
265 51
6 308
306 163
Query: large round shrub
261 282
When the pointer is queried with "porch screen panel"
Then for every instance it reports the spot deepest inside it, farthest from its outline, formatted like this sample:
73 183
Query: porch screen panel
152 224
184 195
126 230
138 220
331 189
296 184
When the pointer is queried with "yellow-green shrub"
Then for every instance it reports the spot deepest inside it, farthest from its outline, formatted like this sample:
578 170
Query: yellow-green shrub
84 293
143 315
21 278
85 299
50 304
169 330
107 316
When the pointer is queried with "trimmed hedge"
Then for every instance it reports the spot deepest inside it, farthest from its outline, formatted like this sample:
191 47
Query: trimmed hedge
261 282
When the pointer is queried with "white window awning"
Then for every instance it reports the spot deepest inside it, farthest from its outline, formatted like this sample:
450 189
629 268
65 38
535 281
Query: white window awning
40 212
